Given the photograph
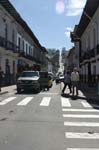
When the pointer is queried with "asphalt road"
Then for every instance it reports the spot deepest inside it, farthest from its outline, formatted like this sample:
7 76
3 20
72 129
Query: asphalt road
48 121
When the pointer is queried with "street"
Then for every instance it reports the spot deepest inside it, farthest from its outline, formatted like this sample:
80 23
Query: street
48 121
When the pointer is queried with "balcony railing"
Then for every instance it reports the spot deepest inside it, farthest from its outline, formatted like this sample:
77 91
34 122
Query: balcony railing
8 45
88 54
15 49
27 56
92 52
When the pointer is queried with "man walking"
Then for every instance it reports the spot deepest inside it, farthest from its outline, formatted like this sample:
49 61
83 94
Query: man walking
75 80
67 81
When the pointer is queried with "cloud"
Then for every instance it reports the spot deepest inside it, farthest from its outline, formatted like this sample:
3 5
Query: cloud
74 7
60 6
67 32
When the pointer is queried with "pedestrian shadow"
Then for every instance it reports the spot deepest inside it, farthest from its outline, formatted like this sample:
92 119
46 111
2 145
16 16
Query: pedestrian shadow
91 97
93 103
73 97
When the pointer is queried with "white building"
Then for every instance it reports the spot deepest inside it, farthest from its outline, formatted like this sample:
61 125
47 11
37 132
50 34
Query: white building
87 37
19 48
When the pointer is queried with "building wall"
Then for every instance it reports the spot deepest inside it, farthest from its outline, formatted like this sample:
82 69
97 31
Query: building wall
12 32
90 39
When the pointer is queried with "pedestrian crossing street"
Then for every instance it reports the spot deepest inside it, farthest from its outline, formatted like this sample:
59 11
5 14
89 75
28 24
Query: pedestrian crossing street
81 125
46 101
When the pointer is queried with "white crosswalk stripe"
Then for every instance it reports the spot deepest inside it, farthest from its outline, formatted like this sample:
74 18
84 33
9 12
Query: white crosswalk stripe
82 149
80 116
45 101
25 101
86 104
82 124
78 135
80 110
5 101
65 102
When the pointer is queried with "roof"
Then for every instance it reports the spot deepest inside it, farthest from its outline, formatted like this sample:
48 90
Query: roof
73 35
89 10
12 11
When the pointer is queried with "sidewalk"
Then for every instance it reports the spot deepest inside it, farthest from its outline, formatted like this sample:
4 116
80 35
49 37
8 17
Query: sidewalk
89 92
7 89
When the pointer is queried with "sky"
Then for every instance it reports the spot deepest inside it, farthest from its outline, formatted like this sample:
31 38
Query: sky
51 20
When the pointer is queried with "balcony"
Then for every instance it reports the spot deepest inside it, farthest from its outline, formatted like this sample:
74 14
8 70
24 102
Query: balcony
88 54
92 52
21 54
85 55
8 45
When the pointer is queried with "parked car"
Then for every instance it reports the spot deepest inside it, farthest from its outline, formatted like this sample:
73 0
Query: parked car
45 80
28 80
59 78
51 75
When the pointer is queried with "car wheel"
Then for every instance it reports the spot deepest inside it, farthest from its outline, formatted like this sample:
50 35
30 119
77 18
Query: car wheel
47 88
18 90
38 90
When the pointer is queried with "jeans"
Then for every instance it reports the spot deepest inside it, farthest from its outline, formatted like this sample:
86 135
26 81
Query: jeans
75 84
65 85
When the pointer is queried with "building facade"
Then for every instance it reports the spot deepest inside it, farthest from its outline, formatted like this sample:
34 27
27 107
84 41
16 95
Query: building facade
87 36
71 60
19 48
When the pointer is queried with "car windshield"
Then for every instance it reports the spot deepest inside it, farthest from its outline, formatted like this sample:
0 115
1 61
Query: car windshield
43 74
61 75
29 74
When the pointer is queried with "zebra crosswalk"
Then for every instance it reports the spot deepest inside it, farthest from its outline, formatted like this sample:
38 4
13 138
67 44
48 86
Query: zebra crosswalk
79 116
25 101
5 101
81 125
46 101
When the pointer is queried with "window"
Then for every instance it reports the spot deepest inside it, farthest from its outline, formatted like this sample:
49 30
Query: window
19 41
13 36
30 74
23 44
26 48
6 31
94 38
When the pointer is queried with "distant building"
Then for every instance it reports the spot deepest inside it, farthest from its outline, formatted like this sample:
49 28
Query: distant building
54 60
71 60
64 59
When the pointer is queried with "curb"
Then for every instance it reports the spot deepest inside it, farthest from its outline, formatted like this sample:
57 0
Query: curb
1 93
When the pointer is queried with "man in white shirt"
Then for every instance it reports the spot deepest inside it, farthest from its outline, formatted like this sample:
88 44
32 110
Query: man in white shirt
75 80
